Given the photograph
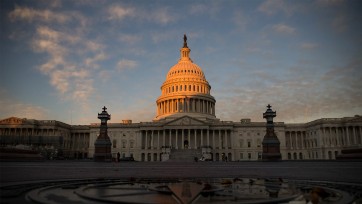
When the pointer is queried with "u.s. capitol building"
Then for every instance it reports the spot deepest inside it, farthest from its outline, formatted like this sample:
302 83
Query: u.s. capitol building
186 126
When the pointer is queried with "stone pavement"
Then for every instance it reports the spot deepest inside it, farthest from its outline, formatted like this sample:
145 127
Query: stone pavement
17 172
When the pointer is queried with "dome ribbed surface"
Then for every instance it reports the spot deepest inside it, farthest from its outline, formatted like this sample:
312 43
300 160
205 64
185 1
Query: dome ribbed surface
185 69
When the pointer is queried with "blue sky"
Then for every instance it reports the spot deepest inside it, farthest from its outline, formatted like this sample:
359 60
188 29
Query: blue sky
64 60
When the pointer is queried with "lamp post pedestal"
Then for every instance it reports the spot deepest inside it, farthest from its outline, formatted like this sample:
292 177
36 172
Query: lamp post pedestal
271 144
102 146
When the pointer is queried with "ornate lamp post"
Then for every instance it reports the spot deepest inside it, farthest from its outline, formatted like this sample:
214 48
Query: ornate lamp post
102 145
271 144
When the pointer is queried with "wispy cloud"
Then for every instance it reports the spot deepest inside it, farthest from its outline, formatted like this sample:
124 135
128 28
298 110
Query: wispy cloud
124 64
10 107
30 14
92 61
309 46
131 39
161 15
284 29
118 12
240 20
72 80
314 95
275 6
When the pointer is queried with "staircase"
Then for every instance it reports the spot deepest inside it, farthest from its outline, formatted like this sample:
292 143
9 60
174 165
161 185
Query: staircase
183 155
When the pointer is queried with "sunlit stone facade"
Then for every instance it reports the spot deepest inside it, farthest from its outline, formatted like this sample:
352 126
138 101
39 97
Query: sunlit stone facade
185 91
186 126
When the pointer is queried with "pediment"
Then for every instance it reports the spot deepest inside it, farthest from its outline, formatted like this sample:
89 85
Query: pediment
12 121
185 120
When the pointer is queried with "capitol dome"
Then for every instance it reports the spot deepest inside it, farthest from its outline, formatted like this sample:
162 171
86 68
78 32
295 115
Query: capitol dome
185 91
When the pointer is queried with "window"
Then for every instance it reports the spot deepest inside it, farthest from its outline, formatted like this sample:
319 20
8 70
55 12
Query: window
241 143
124 143
241 156
249 155
258 142
131 144
249 143
114 143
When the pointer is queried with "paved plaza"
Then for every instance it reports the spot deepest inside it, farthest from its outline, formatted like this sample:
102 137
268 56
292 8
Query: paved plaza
17 172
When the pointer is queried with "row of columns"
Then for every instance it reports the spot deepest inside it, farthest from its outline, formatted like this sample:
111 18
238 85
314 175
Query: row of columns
27 132
196 138
77 141
179 88
341 136
325 137
186 105
295 139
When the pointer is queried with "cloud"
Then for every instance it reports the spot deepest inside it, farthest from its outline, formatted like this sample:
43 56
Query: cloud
30 14
131 39
161 15
284 29
62 44
240 20
126 64
341 22
297 96
275 6
91 61
309 46
329 2
10 107
118 12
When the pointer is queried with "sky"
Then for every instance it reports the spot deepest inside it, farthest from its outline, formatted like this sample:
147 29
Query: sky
65 60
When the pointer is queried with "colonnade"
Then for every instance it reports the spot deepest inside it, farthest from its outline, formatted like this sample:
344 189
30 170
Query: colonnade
324 137
328 141
186 88
295 139
29 136
186 105
27 132
186 138
340 136
76 145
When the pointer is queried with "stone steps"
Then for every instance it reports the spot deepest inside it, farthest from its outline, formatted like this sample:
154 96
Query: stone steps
185 154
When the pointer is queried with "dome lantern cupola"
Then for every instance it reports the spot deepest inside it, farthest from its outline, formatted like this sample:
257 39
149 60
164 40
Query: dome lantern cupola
185 51
185 91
